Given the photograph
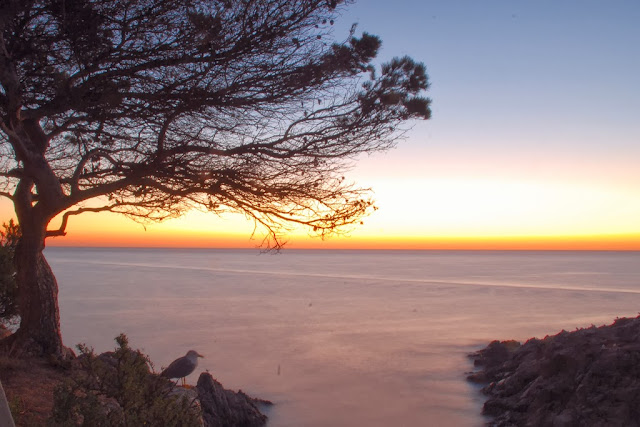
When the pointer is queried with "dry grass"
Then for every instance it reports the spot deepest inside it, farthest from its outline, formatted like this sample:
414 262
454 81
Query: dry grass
29 385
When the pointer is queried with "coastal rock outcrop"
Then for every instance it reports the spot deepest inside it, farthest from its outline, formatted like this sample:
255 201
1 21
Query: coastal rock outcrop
221 407
589 376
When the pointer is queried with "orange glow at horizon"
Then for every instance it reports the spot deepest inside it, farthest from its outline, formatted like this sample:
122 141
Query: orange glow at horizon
481 212
200 230
235 232
171 240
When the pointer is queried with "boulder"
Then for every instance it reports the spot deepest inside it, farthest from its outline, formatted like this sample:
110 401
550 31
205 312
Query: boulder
226 408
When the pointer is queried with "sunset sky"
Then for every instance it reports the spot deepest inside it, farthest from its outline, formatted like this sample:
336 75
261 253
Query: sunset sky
534 140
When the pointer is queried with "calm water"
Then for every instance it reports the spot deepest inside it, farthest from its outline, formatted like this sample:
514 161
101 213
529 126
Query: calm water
339 338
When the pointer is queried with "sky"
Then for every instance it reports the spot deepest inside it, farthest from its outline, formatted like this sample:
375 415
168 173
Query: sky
534 141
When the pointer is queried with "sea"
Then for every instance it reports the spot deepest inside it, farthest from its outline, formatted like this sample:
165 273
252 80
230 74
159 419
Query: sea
339 337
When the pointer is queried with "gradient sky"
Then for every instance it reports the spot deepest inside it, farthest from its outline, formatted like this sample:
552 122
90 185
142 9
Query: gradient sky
534 140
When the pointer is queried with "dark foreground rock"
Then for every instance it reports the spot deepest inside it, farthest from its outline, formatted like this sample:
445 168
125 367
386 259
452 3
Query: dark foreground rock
589 377
223 408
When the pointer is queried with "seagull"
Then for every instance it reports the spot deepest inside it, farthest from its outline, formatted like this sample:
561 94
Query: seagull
182 366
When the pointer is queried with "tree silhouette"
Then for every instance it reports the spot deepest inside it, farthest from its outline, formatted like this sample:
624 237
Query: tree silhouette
150 108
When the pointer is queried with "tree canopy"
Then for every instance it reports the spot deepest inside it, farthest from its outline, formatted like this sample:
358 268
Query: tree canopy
156 107
150 108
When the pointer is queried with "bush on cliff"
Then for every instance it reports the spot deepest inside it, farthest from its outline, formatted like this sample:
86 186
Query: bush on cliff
119 389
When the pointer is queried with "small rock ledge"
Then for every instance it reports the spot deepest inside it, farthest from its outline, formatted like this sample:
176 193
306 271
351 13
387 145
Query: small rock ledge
586 377
222 408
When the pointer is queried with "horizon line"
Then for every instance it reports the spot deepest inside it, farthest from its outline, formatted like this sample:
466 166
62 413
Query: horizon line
612 242
381 249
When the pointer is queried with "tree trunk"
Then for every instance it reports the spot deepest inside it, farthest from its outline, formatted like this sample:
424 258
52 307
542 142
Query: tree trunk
39 332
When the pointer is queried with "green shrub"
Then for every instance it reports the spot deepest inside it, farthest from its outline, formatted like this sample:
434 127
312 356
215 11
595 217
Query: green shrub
119 389
8 286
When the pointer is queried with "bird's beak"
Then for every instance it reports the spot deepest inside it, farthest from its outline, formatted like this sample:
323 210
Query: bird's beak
199 355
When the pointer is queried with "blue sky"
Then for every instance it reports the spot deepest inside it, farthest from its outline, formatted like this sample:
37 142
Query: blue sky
540 67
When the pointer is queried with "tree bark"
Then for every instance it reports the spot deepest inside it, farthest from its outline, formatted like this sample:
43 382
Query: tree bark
37 199
39 332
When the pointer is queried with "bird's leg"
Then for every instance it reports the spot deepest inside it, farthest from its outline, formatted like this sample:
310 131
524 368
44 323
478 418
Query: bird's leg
184 382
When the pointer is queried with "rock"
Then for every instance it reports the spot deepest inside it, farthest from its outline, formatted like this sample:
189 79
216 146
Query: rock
226 408
587 377
491 359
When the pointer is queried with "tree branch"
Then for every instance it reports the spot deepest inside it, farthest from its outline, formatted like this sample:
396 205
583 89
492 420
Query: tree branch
65 218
